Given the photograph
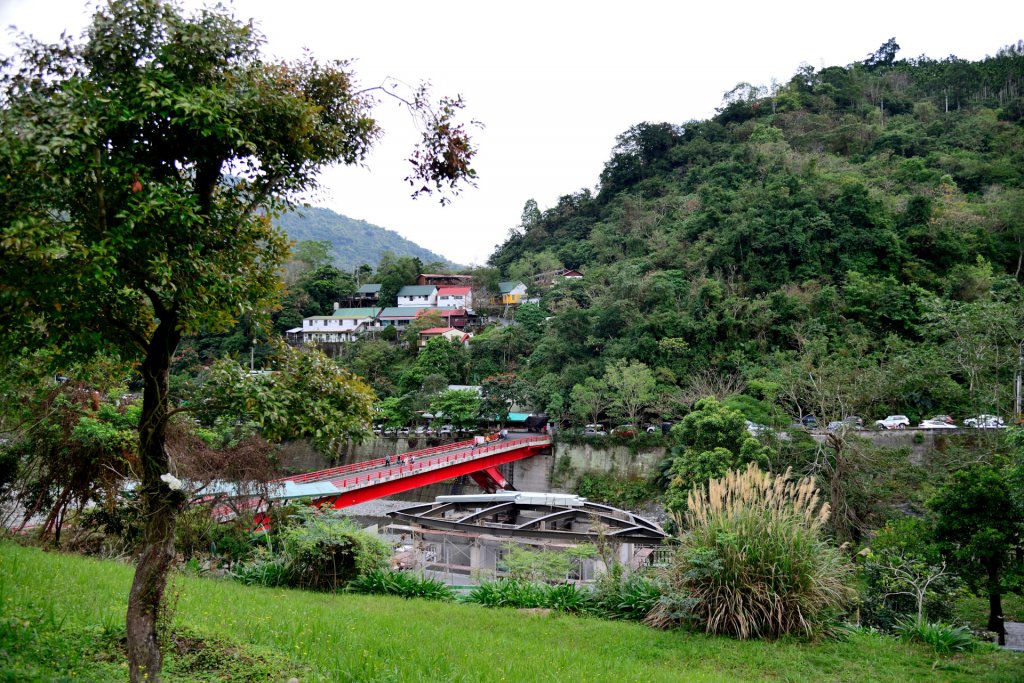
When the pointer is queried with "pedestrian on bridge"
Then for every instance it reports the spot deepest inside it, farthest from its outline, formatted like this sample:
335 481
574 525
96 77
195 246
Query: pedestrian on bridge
387 461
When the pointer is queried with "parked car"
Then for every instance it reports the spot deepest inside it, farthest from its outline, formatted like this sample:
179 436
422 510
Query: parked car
809 421
755 429
948 419
594 430
894 422
985 422
625 430
854 421
935 423
836 426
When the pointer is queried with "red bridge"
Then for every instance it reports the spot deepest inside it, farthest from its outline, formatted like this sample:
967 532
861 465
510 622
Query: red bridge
350 484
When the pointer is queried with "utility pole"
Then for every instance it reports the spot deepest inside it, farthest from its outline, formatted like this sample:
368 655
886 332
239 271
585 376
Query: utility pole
252 356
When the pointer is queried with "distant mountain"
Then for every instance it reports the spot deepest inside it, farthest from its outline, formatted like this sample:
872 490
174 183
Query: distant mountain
353 242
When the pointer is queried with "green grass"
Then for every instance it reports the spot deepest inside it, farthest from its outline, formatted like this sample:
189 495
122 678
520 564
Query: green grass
60 619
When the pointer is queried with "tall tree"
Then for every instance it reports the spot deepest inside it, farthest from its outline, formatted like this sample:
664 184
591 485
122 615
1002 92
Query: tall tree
631 389
142 167
978 529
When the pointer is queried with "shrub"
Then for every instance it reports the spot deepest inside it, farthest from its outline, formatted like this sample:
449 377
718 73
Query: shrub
506 593
902 575
526 565
630 598
323 552
943 638
621 492
518 594
387 582
753 561
567 597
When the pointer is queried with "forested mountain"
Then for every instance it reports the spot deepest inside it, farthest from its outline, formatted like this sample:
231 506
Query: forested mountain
353 242
850 241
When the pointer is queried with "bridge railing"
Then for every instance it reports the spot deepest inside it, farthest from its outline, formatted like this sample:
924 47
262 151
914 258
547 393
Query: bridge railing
432 463
371 464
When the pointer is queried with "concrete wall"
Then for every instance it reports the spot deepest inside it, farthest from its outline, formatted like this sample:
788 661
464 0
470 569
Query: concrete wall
572 460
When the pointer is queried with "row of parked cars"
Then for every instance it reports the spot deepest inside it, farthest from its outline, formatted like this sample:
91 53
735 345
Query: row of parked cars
983 421
903 422
624 430
420 430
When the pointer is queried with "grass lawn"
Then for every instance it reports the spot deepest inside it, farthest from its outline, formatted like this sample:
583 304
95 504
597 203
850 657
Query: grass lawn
61 619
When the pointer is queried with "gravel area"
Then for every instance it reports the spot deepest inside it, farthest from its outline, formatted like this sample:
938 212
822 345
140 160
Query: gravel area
375 508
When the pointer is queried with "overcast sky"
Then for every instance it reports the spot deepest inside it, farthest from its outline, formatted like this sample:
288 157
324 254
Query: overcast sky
555 82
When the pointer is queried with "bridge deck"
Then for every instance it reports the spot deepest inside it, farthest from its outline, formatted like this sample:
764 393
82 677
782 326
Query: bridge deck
370 479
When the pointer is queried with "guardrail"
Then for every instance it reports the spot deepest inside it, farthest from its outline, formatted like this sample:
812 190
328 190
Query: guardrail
375 463
418 465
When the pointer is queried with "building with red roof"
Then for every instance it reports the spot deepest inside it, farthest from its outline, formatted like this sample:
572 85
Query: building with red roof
454 297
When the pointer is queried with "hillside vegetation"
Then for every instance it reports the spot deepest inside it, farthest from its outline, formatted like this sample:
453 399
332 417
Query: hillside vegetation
353 242
848 242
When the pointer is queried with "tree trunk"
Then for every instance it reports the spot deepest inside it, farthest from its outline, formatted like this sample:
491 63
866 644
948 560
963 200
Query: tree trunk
995 604
160 506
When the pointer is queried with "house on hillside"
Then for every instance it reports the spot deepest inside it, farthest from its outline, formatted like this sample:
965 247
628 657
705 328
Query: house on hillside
344 325
454 297
366 295
439 279
452 317
449 333
511 293
550 277
398 316
417 296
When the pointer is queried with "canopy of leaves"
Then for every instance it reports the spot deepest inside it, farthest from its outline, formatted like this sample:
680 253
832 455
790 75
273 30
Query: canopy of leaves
307 395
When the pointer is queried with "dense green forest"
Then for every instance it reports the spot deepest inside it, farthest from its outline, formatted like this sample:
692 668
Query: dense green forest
353 242
848 242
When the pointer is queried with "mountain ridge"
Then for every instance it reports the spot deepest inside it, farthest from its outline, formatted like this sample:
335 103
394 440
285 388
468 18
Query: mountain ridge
353 241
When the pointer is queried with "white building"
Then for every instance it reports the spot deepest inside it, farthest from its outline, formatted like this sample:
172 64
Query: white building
344 325
417 296
455 297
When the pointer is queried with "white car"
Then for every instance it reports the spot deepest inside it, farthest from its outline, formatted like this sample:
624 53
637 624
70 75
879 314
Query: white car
985 422
594 430
935 424
894 422
755 429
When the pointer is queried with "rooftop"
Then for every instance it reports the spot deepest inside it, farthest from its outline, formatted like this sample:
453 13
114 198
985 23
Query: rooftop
369 289
507 287
532 515
453 291
401 312
417 290
356 313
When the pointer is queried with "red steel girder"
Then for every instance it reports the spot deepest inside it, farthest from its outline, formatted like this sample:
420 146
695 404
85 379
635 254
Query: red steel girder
490 480
424 478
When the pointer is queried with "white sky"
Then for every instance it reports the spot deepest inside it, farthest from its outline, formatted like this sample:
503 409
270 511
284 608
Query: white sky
555 82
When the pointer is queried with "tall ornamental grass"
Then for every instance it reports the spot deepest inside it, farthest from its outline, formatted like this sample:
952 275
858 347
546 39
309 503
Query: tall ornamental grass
753 561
